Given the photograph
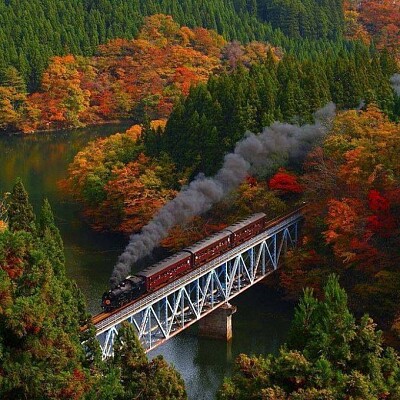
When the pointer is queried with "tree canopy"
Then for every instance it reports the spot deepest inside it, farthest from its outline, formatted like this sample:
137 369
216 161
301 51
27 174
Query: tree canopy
41 315
329 356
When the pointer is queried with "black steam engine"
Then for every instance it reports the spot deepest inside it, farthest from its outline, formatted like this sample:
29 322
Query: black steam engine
127 290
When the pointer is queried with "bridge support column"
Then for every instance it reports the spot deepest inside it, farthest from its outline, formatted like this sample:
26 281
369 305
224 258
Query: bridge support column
218 324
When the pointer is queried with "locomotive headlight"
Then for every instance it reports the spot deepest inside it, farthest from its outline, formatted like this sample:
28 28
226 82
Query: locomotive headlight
107 301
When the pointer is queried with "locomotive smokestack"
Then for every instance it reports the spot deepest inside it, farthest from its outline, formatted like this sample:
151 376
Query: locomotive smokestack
253 153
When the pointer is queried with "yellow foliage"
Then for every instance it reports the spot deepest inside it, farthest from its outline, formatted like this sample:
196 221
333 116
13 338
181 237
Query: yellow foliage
158 123
3 226
134 132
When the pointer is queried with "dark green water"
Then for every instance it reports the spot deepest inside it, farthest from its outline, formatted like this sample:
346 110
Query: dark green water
41 160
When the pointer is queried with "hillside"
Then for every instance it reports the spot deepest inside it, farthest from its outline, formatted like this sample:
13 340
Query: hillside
32 31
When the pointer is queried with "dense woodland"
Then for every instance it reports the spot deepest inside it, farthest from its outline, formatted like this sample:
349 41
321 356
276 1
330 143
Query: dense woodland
145 68
194 77
32 32
41 312
329 355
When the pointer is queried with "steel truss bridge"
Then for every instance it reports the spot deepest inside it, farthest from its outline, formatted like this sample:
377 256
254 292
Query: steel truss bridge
164 313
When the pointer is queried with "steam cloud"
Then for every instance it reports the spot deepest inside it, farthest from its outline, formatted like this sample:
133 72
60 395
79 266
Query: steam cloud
253 153
395 81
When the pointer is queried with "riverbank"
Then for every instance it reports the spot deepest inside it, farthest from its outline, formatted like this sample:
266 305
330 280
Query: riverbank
128 122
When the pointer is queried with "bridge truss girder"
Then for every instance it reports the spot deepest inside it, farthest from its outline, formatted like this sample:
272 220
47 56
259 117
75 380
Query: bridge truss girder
200 292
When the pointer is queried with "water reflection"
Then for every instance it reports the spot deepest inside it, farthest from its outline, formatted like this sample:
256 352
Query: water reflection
41 161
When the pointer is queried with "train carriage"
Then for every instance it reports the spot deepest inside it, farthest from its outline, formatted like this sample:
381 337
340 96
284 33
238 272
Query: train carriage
209 248
179 264
246 229
166 270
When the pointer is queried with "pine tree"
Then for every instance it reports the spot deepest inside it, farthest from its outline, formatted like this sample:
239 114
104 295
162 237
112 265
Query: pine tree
141 378
328 357
20 211
51 238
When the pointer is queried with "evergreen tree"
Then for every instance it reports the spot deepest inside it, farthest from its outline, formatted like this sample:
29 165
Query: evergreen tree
32 31
41 315
51 238
20 212
328 357
141 378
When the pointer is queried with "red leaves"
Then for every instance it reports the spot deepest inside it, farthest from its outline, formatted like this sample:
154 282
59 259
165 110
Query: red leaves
285 182
153 71
383 225
382 222
377 202
380 18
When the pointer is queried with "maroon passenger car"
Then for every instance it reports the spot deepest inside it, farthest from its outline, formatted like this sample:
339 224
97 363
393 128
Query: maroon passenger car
166 270
209 248
246 229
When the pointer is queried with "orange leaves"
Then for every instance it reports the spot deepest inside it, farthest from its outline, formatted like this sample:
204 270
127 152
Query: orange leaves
376 19
360 200
124 79
139 192
343 216
119 194
346 232
63 100
3 226
354 30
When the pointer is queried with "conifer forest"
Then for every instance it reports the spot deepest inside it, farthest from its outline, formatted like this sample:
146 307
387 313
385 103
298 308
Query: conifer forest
111 109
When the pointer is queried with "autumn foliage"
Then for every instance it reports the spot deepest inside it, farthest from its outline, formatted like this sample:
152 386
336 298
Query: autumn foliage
285 182
376 19
352 185
126 79
120 187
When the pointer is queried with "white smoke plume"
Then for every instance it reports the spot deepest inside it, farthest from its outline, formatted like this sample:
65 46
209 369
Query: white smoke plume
395 81
252 153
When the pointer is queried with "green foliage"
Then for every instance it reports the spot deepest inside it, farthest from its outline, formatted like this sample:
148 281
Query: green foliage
328 357
20 211
33 31
41 313
39 328
141 378
208 123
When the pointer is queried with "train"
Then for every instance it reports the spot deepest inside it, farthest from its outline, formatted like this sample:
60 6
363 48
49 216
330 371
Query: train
179 264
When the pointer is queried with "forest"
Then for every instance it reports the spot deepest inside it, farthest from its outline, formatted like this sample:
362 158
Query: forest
79 26
193 79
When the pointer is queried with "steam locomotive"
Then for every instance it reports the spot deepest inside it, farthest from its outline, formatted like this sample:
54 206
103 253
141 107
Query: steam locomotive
171 268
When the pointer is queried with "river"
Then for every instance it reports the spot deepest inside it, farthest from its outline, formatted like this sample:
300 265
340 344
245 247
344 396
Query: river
41 160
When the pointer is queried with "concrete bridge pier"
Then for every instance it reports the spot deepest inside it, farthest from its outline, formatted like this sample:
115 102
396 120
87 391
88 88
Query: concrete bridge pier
218 324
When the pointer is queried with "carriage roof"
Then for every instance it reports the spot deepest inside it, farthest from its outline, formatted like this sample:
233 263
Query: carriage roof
163 264
241 224
208 241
